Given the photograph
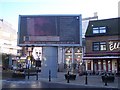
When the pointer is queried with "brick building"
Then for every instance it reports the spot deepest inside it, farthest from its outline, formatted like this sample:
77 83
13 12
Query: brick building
102 53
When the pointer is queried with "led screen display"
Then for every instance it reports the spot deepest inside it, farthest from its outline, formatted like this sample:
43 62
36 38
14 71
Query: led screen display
49 29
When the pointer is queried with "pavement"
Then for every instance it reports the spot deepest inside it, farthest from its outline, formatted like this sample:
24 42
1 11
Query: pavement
92 80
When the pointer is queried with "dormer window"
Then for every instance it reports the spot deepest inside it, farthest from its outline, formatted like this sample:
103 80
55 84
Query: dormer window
95 30
99 30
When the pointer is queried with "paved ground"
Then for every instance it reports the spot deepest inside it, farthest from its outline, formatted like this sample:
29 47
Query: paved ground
93 80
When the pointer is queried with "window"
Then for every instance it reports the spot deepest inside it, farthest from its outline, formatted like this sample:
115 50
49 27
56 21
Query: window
109 65
99 46
99 65
95 30
102 29
102 46
96 46
89 65
104 65
98 30
95 66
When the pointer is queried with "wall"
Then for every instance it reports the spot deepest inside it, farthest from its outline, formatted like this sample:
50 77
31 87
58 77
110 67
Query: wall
89 41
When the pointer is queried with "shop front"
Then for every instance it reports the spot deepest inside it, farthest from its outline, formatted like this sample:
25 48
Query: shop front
73 59
99 65
102 49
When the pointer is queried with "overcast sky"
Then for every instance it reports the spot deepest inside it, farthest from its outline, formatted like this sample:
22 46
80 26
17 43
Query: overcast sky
11 9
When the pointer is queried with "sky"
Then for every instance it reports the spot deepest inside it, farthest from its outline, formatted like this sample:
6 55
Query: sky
11 9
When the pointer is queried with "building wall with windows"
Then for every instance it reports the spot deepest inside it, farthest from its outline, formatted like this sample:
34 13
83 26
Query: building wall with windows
94 45
8 42
8 38
103 46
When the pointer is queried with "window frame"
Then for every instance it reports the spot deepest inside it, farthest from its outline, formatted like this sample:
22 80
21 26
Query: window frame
95 30
99 46
93 45
99 30
103 44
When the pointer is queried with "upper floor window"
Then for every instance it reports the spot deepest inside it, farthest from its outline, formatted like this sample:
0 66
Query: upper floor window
99 46
103 46
96 46
97 30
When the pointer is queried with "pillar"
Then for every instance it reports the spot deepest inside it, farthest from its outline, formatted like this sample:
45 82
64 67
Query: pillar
60 59
73 60
50 62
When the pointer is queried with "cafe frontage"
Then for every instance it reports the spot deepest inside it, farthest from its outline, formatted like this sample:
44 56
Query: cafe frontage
102 52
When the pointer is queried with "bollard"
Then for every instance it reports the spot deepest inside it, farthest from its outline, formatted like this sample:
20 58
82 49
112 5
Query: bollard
105 79
49 75
37 75
68 77
28 72
86 82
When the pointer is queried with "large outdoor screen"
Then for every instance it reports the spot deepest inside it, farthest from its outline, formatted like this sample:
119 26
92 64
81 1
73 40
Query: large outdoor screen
45 30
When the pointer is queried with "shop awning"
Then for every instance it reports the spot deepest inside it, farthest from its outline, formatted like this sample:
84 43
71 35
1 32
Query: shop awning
103 57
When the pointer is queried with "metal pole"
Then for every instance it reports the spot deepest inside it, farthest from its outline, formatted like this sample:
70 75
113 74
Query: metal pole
28 71
86 82
105 79
49 75
68 77
37 74
28 65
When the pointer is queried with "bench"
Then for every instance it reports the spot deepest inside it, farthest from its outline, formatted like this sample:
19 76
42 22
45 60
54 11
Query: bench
19 73
31 72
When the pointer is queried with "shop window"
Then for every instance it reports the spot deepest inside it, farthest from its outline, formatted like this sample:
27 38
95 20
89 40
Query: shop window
89 65
95 66
109 65
104 65
99 65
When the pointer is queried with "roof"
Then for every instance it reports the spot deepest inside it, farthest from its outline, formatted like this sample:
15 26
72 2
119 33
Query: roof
112 26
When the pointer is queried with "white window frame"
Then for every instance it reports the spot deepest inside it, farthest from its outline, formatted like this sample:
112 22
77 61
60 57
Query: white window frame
99 30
